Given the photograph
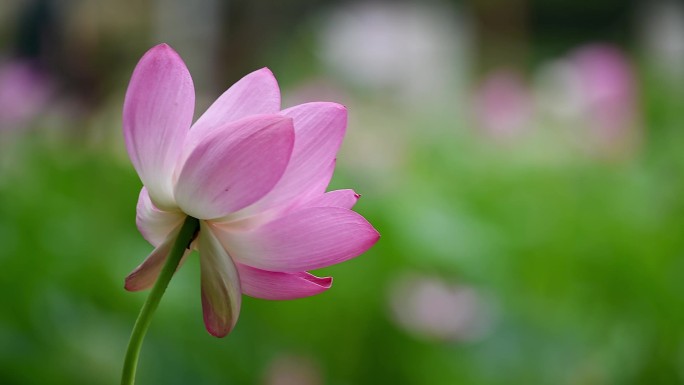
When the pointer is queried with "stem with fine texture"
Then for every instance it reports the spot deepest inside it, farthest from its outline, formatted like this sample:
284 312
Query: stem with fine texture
185 236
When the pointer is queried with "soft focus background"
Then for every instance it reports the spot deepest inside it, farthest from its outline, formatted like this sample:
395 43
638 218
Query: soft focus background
523 160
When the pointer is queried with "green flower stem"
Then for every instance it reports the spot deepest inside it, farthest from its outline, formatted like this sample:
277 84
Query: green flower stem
185 237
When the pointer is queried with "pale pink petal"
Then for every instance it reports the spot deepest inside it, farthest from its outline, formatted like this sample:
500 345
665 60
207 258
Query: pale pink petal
338 198
237 222
280 286
154 224
221 295
255 94
157 114
319 130
144 276
224 174
307 239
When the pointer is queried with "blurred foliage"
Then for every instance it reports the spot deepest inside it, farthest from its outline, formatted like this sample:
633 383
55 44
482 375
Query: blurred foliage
583 258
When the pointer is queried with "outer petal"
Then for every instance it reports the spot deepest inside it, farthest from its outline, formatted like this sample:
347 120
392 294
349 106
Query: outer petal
235 222
280 286
255 94
156 117
319 130
221 295
225 173
144 276
307 239
338 198
154 224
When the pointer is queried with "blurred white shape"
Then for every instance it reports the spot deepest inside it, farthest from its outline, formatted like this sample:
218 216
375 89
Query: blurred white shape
418 52
24 92
432 308
293 370
558 90
503 104
662 36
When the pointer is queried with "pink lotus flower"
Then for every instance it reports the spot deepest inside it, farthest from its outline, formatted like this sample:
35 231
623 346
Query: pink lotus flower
503 105
255 177
24 91
609 87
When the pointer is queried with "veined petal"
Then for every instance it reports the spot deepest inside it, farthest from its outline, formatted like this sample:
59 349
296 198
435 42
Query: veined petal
307 239
154 224
338 198
157 114
225 173
238 222
144 276
221 294
255 94
278 285
319 130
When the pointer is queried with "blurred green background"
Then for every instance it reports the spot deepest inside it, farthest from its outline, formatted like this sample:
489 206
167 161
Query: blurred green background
523 161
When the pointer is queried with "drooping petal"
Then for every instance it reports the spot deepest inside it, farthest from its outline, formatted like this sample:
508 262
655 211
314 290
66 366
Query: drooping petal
157 114
338 198
226 172
221 294
144 276
154 224
280 286
319 130
307 239
255 94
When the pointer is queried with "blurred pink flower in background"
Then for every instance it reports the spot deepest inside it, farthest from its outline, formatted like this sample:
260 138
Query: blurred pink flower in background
24 93
609 90
503 105
255 177
593 92
432 308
